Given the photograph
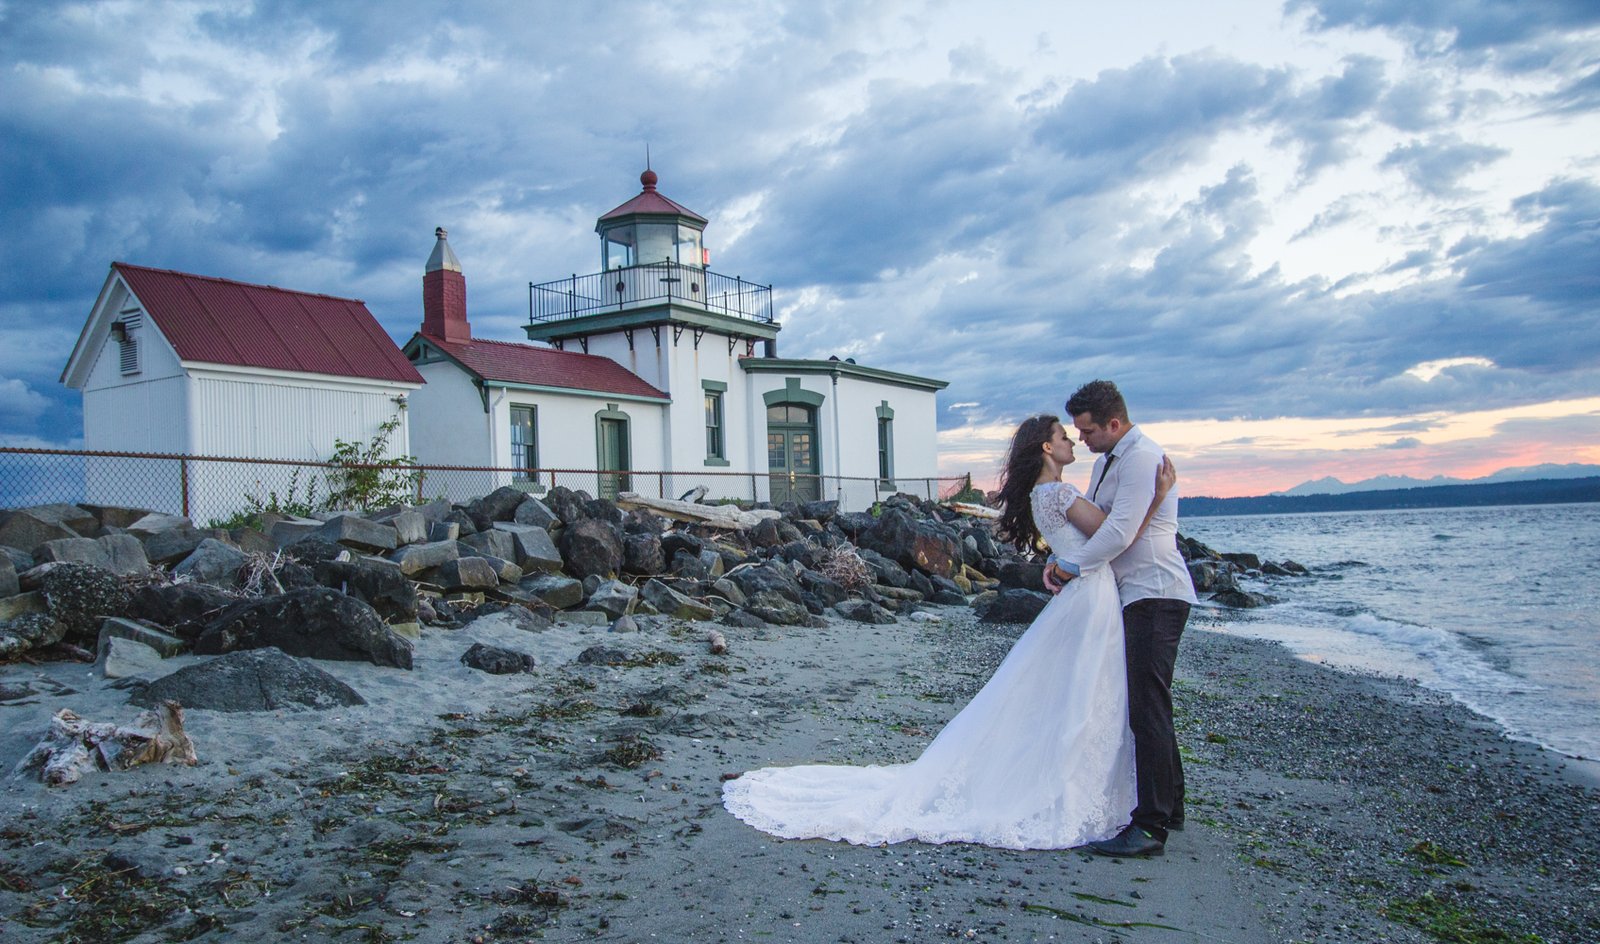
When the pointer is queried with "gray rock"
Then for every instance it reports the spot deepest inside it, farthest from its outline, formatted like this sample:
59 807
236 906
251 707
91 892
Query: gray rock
641 554
27 529
410 527
119 657
729 591
73 551
415 558
560 592
255 680
672 603
318 623
21 604
174 544
585 617
532 547
378 583
1015 606
162 644
212 562
80 597
743 619
490 543
500 504
1240 599
613 598
604 655
185 609
29 631
20 560
465 573
505 570
156 522
537 513
497 660
774 607
444 531
124 554
592 547
865 611
357 532
1022 575
9 585
624 624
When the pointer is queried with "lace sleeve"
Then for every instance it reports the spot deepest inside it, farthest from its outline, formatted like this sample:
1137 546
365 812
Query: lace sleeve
1050 503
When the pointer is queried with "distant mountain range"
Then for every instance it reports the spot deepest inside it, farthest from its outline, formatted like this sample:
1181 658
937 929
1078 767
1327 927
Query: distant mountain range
1332 486
1467 494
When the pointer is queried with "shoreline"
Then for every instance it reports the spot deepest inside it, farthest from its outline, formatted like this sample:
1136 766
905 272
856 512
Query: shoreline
582 802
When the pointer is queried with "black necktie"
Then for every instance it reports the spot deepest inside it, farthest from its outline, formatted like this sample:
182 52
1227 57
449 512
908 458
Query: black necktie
1110 458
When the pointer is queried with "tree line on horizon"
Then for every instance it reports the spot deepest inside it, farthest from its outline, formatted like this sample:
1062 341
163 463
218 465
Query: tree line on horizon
1531 492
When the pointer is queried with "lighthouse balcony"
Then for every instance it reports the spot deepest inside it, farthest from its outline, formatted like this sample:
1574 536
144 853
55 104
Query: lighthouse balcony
645 286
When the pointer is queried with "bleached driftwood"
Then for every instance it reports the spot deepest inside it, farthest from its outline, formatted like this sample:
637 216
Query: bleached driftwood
75 746
974 511
717 516
717 642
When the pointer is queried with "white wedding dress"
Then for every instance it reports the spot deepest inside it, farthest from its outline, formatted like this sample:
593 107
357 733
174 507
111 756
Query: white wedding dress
1041 758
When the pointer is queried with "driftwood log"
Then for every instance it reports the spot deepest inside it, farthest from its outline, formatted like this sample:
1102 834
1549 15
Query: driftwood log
75 746
729 517
973 511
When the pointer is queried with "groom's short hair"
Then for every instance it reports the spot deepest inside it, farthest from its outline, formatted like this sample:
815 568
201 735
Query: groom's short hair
1101 400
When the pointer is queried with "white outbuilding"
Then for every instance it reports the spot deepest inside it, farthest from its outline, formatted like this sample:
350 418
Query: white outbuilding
174 363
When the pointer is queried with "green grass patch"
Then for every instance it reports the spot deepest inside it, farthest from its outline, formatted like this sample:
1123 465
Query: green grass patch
1451 921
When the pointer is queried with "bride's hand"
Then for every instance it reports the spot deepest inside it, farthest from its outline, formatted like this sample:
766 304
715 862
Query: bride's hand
1166 477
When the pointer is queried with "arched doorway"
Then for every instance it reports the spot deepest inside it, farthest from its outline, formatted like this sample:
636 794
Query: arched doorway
794 459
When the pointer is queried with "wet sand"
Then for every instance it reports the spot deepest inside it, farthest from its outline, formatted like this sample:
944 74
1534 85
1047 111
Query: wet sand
582 803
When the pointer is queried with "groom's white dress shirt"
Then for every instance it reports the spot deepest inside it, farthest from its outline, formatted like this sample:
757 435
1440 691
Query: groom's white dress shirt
1149 567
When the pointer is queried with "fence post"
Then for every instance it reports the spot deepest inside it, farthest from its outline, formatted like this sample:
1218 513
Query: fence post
661 485
183 484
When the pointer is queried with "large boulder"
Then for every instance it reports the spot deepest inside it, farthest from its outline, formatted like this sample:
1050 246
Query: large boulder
641 554
1211 576
80 597
30 527
74 551
1022 575
489 542
318 623
163 644
1240 599
865 611
264 679
156 522
774 607
499 505
531 547
537 513
768 578
922 544
613 598
554 589
672 603
124 554
465 573
566 504
119 657
830 592
1016 606
381 586
212 562
359 533
592 548
170 545
884 570
185 609
415 558
9 586
29 631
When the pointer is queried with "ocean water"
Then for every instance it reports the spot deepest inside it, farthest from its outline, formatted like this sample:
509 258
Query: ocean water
1498 607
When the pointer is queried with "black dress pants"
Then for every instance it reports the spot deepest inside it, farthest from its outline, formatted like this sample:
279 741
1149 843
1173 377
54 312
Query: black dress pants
1151 630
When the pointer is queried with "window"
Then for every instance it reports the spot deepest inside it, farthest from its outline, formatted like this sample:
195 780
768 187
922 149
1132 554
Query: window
714 448
524 443
885 443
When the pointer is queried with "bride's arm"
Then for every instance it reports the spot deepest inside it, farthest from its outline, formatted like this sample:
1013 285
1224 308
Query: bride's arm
1087 518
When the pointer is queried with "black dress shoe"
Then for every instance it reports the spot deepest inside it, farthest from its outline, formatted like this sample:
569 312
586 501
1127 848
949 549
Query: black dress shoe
1132 842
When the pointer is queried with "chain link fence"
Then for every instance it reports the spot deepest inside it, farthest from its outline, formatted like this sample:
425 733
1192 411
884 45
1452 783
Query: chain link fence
213 489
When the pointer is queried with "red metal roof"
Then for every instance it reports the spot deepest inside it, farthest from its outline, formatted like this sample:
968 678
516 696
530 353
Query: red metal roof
649 201
510 362
220 321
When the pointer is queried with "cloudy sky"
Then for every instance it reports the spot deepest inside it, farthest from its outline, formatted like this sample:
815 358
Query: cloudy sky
1322 237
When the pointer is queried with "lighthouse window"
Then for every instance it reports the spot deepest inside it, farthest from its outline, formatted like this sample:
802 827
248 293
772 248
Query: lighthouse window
688 247
656 242
619 248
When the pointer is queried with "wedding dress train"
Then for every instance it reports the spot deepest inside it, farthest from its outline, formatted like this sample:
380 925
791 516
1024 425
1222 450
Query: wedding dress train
1041 758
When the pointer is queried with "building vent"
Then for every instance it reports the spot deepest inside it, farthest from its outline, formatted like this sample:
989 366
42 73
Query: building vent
124 331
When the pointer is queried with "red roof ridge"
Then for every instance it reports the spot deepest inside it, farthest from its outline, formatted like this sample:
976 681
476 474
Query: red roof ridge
217 278
603 374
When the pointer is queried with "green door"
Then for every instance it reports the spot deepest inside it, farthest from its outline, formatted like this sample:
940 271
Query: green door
792 460
613 458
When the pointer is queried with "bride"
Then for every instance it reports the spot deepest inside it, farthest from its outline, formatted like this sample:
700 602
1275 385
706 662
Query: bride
1042 757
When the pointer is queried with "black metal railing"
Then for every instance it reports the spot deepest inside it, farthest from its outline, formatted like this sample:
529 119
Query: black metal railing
651 284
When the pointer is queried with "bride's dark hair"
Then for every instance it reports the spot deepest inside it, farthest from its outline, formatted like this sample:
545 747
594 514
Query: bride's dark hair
1018 478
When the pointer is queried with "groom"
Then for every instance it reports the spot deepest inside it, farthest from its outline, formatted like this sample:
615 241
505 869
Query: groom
1156 594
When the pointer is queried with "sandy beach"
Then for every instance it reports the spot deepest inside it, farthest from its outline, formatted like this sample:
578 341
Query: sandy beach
581 802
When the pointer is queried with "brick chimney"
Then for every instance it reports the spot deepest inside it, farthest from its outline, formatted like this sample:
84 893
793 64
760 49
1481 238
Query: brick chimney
444 294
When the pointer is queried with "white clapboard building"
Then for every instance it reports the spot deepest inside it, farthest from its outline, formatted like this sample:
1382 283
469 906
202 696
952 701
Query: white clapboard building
656 364
174 363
